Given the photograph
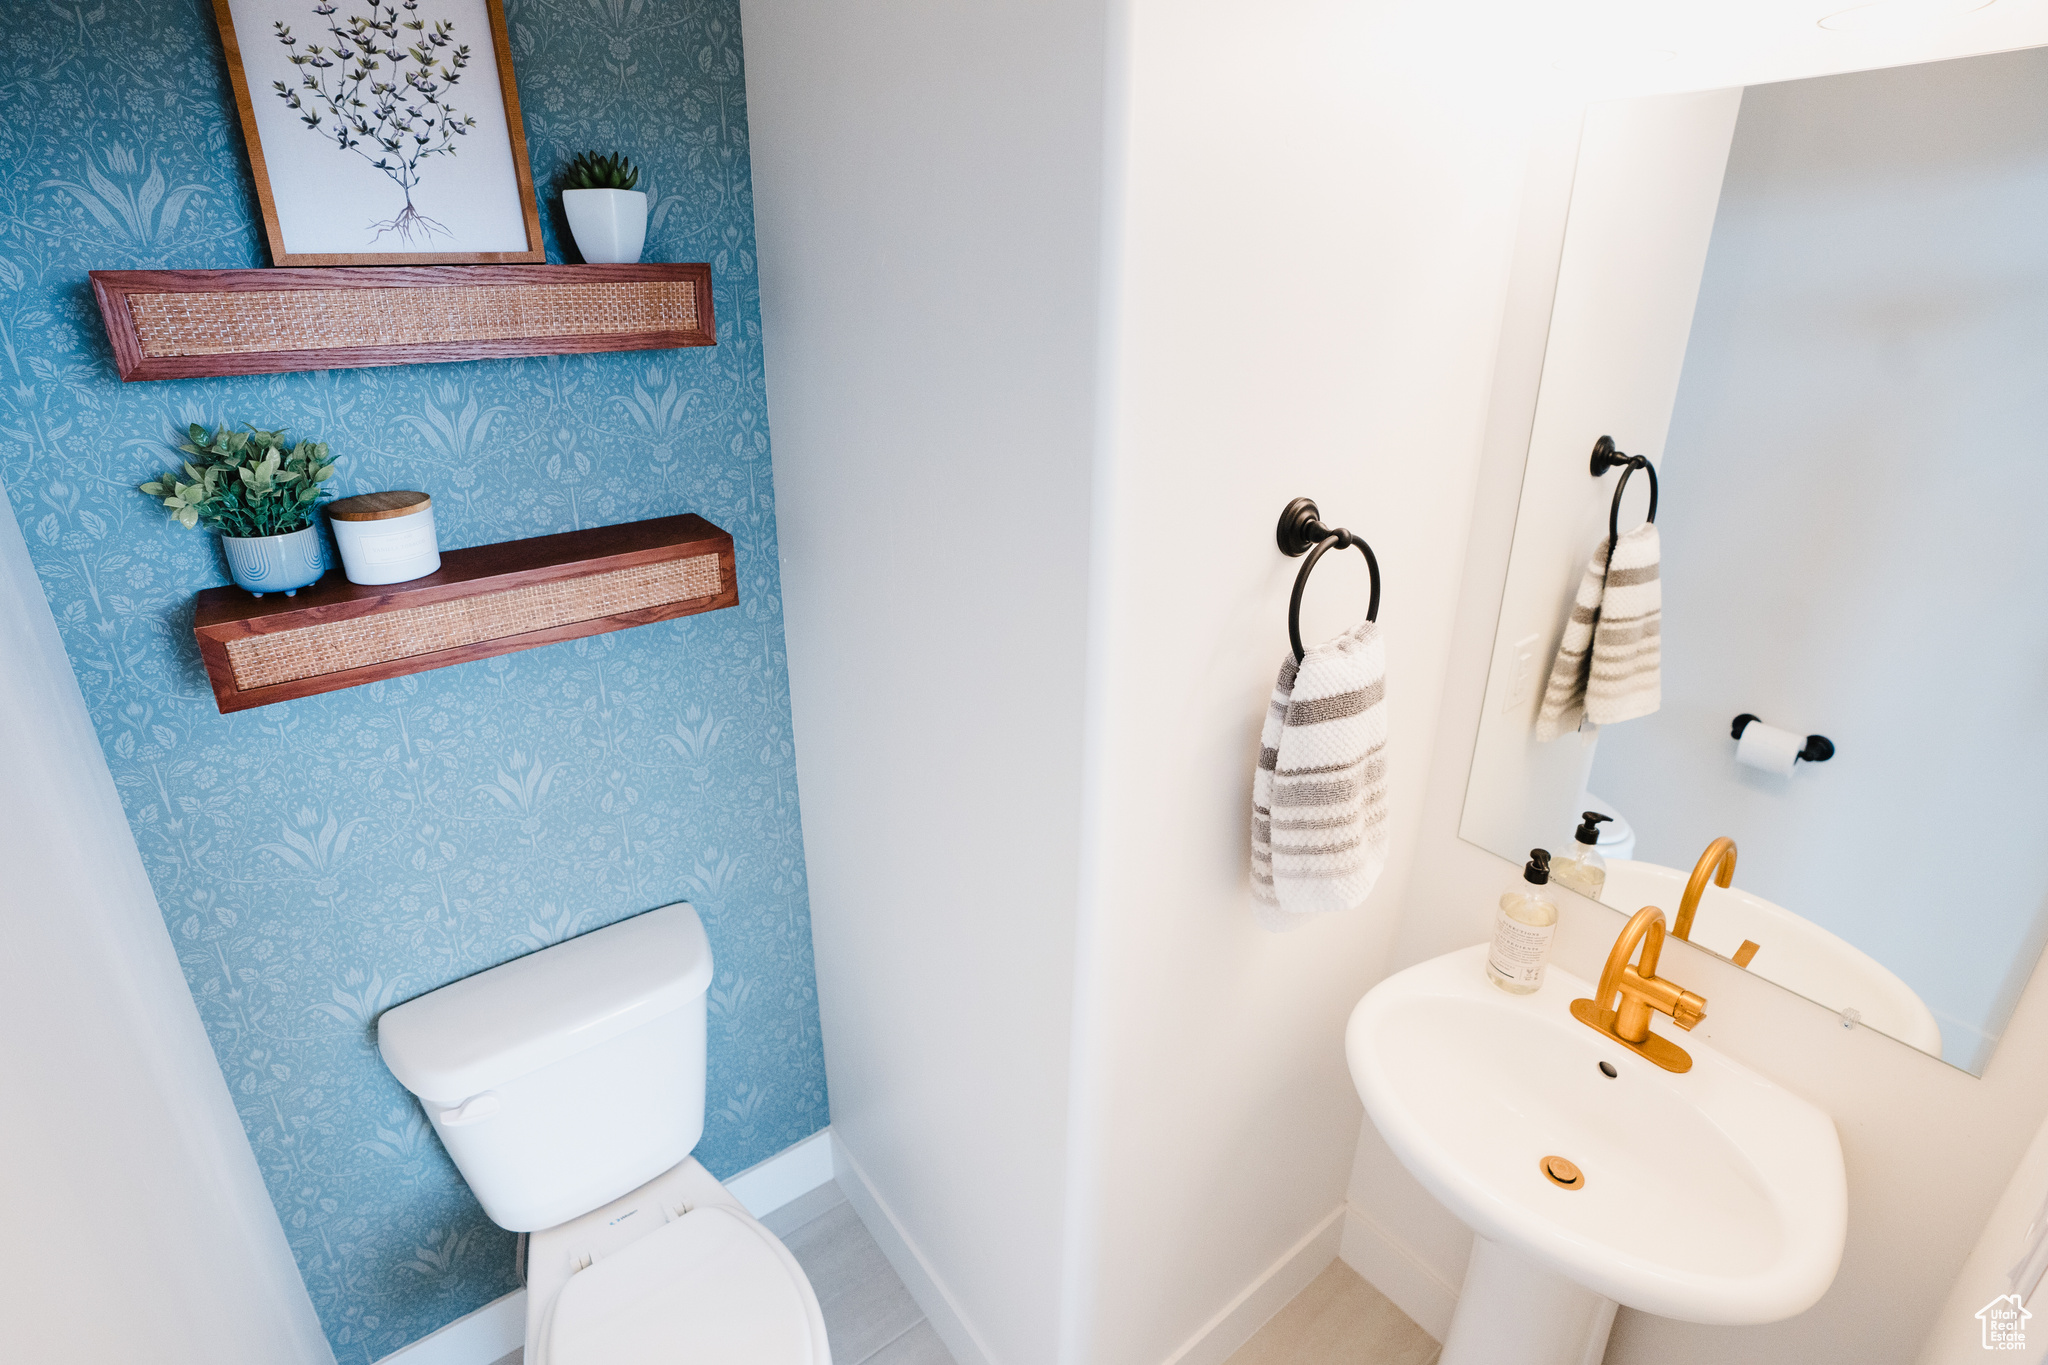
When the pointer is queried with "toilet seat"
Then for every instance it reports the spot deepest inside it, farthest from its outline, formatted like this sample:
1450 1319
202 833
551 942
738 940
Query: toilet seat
712 1287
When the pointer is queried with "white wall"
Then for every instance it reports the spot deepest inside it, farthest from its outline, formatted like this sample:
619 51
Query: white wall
1956 1337
1396 1235
1276 319
1643 194
928 180
133 1222
1928 1148
1094 1098
1313 247
1848 528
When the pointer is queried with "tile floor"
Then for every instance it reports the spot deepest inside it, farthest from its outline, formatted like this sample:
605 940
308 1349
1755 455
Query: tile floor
872 1320
1338 1320
870 1317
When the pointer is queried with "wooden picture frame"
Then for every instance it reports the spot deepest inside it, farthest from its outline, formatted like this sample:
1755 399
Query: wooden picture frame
266 196
178 324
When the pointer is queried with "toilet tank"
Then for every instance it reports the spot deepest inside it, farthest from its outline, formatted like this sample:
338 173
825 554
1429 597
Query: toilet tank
561 1080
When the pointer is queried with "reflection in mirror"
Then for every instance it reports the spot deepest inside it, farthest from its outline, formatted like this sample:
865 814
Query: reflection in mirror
1821 309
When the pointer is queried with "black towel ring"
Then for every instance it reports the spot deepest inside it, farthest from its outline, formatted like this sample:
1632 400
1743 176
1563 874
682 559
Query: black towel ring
1301 527
1606 457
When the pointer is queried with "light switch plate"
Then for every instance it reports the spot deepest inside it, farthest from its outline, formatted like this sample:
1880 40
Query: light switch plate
1522 674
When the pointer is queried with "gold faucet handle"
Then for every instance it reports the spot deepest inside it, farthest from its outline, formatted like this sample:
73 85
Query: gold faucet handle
1688 1010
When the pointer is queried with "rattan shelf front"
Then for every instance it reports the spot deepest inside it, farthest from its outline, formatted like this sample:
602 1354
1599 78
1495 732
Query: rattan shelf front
490 599
177 324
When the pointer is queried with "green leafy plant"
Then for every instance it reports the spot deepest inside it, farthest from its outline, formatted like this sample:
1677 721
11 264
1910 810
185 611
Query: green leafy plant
245 483
589 171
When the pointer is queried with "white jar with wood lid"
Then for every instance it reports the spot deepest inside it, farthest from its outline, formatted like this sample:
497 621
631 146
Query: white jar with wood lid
385 537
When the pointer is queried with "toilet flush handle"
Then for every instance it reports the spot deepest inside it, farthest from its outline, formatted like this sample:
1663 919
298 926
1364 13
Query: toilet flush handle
475 1109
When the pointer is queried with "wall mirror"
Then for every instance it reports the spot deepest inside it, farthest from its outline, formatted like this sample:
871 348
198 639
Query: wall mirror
1820 309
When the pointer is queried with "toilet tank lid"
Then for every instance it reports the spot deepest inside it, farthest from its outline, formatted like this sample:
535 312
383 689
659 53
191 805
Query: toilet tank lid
518 1017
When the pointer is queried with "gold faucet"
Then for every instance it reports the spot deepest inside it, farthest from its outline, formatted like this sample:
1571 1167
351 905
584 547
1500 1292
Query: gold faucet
1642 991
1717 863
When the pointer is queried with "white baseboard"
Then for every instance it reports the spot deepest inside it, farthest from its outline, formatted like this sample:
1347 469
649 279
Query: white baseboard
1388 1265
1272 1291
789 1174
909 1264
499 1327
489 1334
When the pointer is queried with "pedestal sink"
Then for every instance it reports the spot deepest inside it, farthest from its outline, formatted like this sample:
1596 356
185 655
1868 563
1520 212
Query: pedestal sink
1711 1196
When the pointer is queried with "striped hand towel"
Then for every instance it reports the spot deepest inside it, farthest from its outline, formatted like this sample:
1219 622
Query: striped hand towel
1319 793
1619 613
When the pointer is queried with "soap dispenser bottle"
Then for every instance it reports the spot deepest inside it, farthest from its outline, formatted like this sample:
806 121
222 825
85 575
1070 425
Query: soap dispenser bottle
1583 869
1523 927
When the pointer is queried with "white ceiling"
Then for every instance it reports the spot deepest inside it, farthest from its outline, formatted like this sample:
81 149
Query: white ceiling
1600 49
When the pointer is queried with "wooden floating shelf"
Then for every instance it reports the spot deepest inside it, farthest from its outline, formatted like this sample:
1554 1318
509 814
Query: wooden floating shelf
178 324
490 599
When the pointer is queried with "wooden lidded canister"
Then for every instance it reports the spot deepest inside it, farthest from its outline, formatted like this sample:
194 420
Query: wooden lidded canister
385 537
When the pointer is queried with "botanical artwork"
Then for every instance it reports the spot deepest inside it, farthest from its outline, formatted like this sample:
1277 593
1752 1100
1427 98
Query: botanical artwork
320 860
379 127
381 87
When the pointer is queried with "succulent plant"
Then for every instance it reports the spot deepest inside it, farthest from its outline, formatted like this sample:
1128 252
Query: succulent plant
244 483
589 171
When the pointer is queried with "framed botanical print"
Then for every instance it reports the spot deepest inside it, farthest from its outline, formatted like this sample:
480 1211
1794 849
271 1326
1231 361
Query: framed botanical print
382 132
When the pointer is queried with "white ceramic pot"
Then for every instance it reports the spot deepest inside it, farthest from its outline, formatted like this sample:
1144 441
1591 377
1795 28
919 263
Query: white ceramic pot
283 563
610 226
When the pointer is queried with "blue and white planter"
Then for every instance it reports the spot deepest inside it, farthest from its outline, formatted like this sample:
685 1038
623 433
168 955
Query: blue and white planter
283 563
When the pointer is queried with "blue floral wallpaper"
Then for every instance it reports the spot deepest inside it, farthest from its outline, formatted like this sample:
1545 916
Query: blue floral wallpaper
320 860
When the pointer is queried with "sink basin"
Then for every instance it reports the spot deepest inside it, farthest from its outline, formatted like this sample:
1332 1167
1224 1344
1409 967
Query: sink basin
1711 1196
1795 952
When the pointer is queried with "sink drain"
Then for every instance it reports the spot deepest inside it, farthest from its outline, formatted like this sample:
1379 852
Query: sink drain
1562 1173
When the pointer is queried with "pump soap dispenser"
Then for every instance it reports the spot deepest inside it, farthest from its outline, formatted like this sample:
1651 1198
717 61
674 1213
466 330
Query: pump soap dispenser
1583 869
1522 929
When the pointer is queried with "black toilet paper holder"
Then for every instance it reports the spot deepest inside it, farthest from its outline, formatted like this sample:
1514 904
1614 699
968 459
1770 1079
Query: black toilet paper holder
1819 748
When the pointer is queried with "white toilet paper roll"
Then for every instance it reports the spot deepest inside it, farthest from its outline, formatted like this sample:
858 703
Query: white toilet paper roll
1768 749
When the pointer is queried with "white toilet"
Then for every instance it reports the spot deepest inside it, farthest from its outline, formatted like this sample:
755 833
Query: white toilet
568 1085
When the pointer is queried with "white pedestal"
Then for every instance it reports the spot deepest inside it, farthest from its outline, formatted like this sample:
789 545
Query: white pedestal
1513 1311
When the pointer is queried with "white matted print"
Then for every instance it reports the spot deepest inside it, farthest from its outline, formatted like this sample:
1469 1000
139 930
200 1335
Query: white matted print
382 131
